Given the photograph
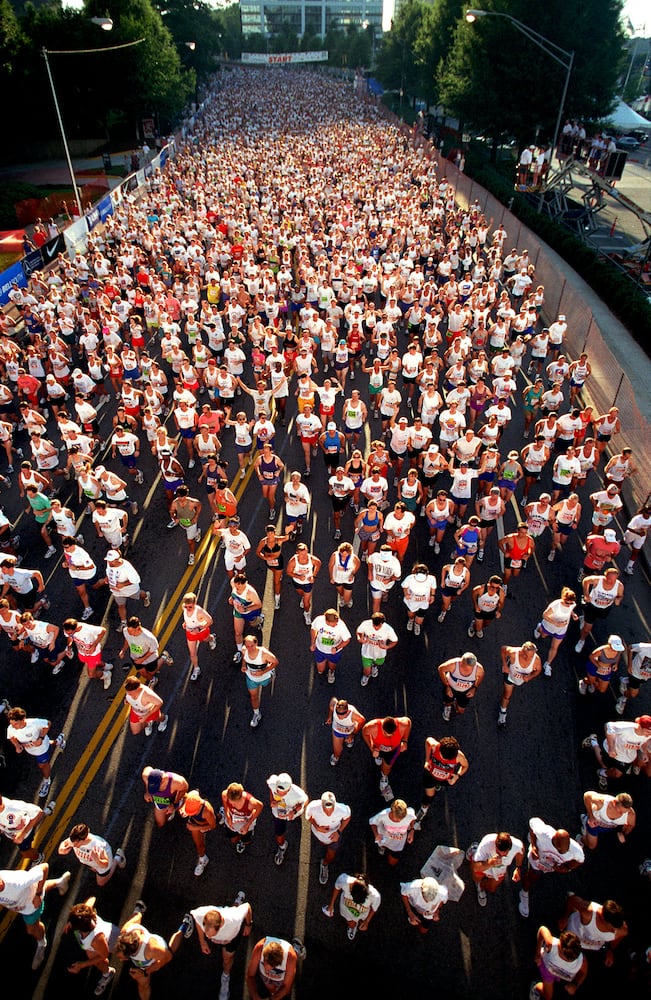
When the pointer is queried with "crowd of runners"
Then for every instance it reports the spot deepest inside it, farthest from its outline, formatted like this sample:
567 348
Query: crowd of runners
301 280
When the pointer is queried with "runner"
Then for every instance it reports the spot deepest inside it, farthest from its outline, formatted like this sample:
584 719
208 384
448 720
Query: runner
376 637
444 765
549 851
165 790
302 570
346 722
490 860
145 708
393 829
225 926
143 649
239 813
259 666
196 624
185 510
329 636
554 623
24 892
269 549
94 852
460 677
201 819
31 736
520 665
342 568
327 819
287 802
386 739
359 901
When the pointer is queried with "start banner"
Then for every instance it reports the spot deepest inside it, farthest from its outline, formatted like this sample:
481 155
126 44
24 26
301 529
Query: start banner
283 58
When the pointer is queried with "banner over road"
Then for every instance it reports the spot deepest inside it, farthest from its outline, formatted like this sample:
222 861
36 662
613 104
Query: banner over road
283 58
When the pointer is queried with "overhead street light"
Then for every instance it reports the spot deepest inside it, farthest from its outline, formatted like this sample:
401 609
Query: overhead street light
72 52
561 56
105 23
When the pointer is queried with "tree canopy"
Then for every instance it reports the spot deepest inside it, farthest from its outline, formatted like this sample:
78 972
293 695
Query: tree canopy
101 93
497 80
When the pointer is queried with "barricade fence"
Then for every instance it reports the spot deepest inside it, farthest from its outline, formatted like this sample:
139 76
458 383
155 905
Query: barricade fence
74 236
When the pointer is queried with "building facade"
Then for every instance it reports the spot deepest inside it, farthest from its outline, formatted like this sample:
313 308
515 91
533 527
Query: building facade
316 17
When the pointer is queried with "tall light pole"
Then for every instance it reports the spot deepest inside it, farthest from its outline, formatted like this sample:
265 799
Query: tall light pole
106 24
561 56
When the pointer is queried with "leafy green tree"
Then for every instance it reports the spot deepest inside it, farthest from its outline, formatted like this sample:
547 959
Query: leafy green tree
496 80
11 41
193 21
406 59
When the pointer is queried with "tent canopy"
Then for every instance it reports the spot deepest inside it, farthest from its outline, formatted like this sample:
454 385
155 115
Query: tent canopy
625 118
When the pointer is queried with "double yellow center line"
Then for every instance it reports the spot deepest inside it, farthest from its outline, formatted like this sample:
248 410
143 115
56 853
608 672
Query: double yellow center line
54 828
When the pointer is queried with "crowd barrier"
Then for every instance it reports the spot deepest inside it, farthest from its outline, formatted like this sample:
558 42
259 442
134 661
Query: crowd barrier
74 237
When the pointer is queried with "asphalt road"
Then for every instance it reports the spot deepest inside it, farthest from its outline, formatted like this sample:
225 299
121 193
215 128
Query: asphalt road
534 767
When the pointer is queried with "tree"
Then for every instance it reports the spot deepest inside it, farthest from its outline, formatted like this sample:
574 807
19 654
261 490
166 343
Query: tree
496 80
11 41
406 60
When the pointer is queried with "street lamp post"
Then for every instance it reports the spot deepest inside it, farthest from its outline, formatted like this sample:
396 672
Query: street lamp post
561 56
106 24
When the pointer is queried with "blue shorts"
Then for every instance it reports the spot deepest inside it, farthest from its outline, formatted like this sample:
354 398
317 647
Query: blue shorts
132 373
252 685
243 449
487 477
591 671
172 485
78 582
33 918
321 657
128 461
306 588
43 758
187 433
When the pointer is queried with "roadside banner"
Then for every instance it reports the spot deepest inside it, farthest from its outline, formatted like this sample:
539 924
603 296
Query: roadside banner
7 278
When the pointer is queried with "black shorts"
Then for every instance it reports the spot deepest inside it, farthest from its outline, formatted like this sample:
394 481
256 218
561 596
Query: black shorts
593 614
484 616
340 503
634 683
429 781
617 765
461 697
231 946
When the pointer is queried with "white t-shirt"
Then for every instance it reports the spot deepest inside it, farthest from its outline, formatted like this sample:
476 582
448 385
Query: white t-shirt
641 662
233 917
18 892
348 908
15 816
30 738
549 858
418 590
486 849
374 640
626 743
328 636
412 891
333 820
392 833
